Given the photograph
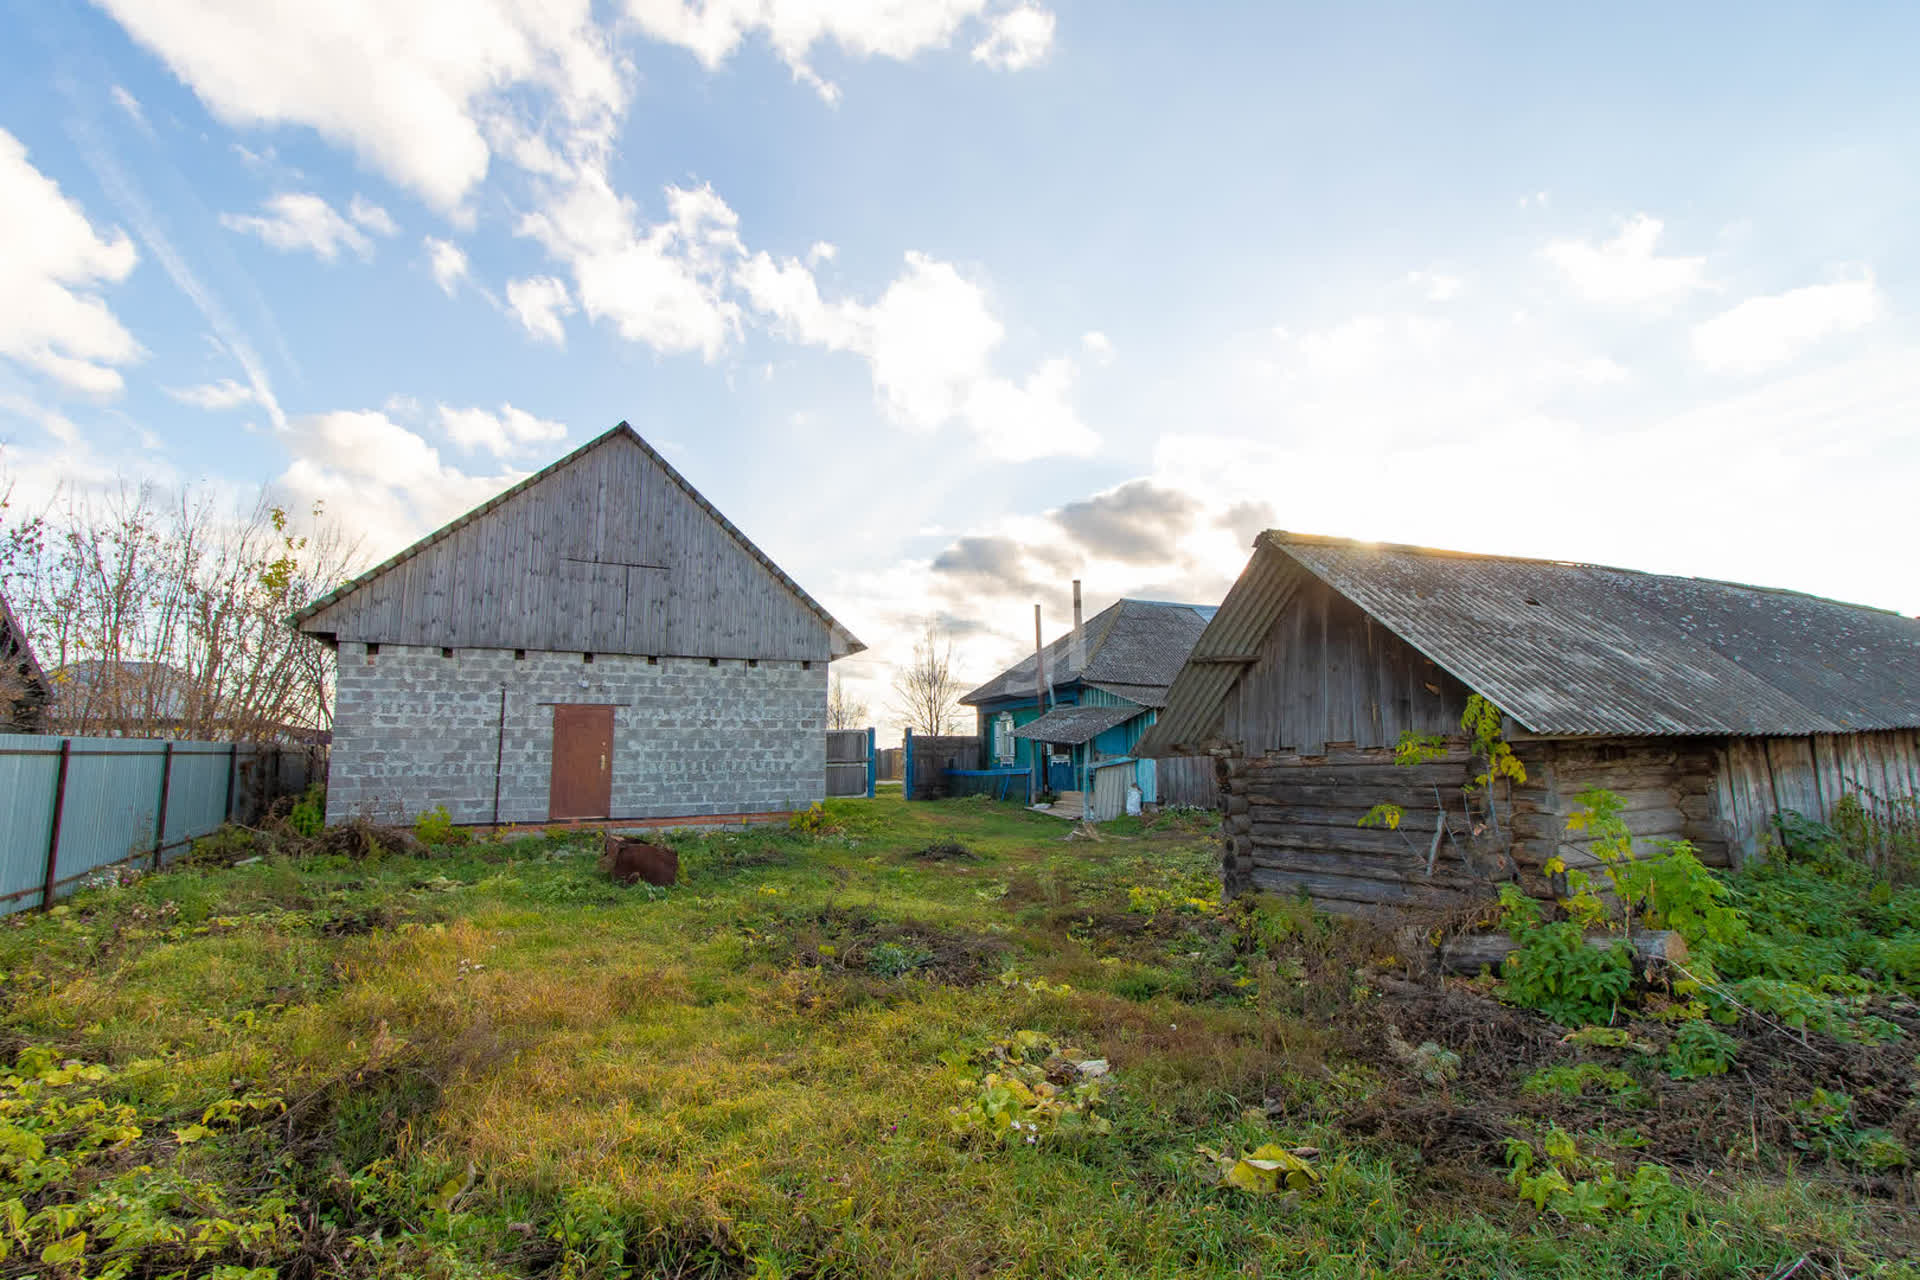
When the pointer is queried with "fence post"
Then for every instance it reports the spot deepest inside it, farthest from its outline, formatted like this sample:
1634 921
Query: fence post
873 765
906 766
166 788
53 836
233 767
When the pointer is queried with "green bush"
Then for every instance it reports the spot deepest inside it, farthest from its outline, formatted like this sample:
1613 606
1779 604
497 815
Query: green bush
1700 1049
1556 972
435 827
309 817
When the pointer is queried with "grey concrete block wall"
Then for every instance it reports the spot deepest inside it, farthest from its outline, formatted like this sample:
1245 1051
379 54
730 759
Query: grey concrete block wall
414 729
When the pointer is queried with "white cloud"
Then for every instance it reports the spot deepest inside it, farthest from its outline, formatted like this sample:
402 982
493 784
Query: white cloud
712 29
507 432
928 341
1019 38
822 251
371 217
449 263
52 421
1098 345
540 302
300 221
224 394
663 283
1627 270
1762 332
1435 286
411 88
1537 200
393 482
52 320
131 105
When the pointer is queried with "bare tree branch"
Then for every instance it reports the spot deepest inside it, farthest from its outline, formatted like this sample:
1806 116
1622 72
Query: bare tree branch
844 711
925 693
158 616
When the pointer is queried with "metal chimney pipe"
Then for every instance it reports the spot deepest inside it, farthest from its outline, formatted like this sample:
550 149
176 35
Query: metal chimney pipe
1039 664
1079 633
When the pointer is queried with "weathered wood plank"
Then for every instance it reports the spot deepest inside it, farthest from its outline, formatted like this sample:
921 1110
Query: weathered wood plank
567 563
1329 888
1470 953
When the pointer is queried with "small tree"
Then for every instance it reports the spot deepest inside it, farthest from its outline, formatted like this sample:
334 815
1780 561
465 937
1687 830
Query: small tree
925 692
844 711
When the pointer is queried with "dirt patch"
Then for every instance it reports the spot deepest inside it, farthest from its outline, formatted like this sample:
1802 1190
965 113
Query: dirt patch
946 851
855 942
1757 1116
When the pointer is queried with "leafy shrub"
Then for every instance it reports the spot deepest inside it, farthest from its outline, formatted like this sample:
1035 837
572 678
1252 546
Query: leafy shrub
435 827
1579 1078
892 960
309 816
1699 1049
812 821
1556 972
1557 1178
89 1185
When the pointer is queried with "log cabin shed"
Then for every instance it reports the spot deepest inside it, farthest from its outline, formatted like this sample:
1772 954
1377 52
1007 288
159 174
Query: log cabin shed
1708 706
595 643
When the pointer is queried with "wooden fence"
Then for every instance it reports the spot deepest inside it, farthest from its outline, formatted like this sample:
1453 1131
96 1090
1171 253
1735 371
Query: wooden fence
70 807
850 762
929 758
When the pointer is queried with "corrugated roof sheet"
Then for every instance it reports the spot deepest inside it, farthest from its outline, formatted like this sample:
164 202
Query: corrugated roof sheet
1583 649
1131 643
1075 724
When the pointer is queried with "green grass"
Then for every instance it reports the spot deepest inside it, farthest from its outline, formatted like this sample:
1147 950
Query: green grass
492 1062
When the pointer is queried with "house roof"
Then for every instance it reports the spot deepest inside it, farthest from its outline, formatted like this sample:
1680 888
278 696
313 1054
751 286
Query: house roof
1569 649
843 641
1075 725
1134 650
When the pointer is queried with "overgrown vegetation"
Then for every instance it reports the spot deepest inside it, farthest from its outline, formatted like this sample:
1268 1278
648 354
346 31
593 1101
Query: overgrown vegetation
830 1050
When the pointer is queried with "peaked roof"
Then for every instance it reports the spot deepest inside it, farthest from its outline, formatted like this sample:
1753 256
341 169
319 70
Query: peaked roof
1578 649
843 641
1134 650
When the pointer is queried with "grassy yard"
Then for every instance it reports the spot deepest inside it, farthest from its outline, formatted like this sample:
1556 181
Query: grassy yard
801 1061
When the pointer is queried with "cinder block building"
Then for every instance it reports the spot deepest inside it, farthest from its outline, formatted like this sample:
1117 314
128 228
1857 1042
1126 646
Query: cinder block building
595 643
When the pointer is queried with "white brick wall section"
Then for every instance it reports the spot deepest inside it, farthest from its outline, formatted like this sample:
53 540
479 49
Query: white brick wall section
414 729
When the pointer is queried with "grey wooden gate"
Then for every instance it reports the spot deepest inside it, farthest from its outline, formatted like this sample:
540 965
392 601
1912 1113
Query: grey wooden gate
850 762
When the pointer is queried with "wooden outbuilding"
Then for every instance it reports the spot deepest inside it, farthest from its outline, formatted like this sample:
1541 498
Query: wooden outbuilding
23 685
1710 707
595 643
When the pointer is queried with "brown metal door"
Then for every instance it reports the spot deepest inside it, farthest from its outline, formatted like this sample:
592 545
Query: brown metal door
582 785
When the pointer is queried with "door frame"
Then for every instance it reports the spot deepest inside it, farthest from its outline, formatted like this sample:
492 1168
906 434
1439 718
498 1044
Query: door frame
597 718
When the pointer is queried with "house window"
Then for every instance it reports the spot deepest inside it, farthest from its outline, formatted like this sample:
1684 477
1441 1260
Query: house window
1003 738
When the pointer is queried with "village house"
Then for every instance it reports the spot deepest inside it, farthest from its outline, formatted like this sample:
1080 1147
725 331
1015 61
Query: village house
595 643
1709 707
1075 728
23 685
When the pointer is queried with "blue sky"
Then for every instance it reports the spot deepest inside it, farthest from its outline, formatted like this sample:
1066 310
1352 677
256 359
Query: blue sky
947 302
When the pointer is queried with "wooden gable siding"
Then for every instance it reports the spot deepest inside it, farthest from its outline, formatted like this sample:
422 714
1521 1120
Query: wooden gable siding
1329 673
562 566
